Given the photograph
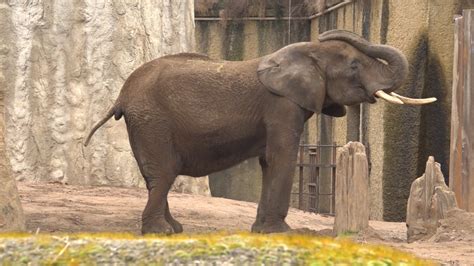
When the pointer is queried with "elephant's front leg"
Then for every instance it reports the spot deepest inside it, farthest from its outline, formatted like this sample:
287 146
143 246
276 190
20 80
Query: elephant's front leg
282 148
262 205
177 227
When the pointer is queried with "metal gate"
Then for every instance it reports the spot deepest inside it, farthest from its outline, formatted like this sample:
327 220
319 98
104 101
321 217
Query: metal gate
316 173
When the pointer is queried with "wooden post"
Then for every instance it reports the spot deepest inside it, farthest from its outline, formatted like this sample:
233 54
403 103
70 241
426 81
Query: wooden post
352 188
461 164
456 112
430 200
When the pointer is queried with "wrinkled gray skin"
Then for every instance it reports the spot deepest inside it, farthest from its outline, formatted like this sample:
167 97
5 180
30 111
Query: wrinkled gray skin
189 115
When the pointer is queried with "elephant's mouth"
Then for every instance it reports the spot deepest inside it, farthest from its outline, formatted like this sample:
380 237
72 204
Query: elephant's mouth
399 99
371 99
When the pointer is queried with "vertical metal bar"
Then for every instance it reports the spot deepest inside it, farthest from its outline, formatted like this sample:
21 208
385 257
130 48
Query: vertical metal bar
333 178
300 185
311 183
289 21
318 175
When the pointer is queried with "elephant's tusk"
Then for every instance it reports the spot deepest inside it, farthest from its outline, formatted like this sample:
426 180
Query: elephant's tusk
387 97
413 101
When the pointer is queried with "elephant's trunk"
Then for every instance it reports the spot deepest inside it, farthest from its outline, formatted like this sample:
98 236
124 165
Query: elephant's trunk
396 70
394 73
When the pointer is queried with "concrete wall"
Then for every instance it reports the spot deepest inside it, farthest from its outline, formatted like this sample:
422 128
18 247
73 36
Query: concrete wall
238 40
399 139
63 64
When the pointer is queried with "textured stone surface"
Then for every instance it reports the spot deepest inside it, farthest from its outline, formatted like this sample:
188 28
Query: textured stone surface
191 185
430 201
11 212
352 187
65 63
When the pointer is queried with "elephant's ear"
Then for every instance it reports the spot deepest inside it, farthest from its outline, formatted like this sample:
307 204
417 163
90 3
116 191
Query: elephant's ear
335 110
295 75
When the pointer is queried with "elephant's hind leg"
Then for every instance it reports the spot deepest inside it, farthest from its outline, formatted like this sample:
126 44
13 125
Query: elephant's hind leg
154 216
152 147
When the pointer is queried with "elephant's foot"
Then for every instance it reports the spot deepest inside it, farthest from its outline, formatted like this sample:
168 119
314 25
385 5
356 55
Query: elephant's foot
275 227
257 226
157 226
177 227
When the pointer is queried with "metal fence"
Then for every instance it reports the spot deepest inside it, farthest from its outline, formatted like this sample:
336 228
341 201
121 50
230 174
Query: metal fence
316 173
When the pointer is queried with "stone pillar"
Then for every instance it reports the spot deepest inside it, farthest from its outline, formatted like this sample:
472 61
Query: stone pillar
352 187
11 213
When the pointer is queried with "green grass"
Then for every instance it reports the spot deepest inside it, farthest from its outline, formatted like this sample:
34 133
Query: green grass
87 249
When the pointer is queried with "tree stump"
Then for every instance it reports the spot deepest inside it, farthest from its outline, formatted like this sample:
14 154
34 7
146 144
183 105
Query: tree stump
352 187
430 200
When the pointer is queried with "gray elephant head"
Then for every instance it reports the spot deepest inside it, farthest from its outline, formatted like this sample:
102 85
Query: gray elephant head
342 69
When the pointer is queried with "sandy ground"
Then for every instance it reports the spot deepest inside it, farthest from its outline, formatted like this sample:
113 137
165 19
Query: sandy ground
59 208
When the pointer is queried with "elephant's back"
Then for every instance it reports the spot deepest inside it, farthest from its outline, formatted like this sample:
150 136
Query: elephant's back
199 94
194 85
213 109
192 79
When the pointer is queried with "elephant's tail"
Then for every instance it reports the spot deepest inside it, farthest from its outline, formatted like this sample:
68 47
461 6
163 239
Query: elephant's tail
115 110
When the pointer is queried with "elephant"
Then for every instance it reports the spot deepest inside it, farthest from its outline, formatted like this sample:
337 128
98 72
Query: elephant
187 114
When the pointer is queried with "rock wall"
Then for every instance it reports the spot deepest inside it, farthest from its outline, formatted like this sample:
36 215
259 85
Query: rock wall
11 212
63 65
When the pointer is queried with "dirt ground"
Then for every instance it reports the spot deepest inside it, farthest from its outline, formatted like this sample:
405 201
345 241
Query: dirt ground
60 208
